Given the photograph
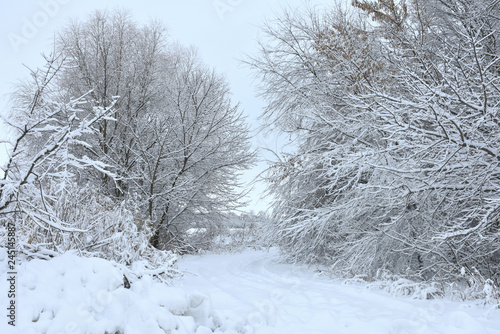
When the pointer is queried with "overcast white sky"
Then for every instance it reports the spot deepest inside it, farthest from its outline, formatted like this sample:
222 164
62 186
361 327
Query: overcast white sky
222 30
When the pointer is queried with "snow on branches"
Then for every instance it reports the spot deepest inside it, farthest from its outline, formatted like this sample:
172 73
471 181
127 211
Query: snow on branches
397 123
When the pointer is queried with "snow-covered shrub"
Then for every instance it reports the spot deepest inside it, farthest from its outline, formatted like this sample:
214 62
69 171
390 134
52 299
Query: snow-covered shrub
236 239
234 234
478 287
400 286
95 225
473 286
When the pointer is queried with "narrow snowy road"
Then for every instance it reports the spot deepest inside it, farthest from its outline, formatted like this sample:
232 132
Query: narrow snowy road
253 291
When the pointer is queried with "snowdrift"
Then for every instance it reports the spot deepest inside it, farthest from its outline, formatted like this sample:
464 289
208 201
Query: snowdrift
72 294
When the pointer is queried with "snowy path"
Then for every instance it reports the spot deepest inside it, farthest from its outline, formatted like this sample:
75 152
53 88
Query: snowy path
250 289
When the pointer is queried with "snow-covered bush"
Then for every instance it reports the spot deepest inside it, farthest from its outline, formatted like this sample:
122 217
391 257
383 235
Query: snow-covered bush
94 225
237 239
235 233
470 285
400 286
477 287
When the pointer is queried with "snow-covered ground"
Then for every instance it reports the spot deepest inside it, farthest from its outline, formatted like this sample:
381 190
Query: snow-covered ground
251 290
74 295
230 293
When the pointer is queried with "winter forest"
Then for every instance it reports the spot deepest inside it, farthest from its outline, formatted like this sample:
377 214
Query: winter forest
127 149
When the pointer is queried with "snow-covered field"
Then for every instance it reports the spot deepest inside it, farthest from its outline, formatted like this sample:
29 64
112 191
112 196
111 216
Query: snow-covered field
231 293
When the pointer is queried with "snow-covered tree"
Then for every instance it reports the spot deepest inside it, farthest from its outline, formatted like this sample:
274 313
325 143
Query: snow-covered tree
396 136
113 58
121 144
42 127
176 139
446 107
193 177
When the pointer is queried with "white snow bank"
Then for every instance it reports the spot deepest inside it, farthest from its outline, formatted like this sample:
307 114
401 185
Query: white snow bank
72 294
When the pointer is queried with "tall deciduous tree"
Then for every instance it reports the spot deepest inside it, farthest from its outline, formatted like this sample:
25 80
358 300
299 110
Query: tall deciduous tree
176 138
397 128
113 58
